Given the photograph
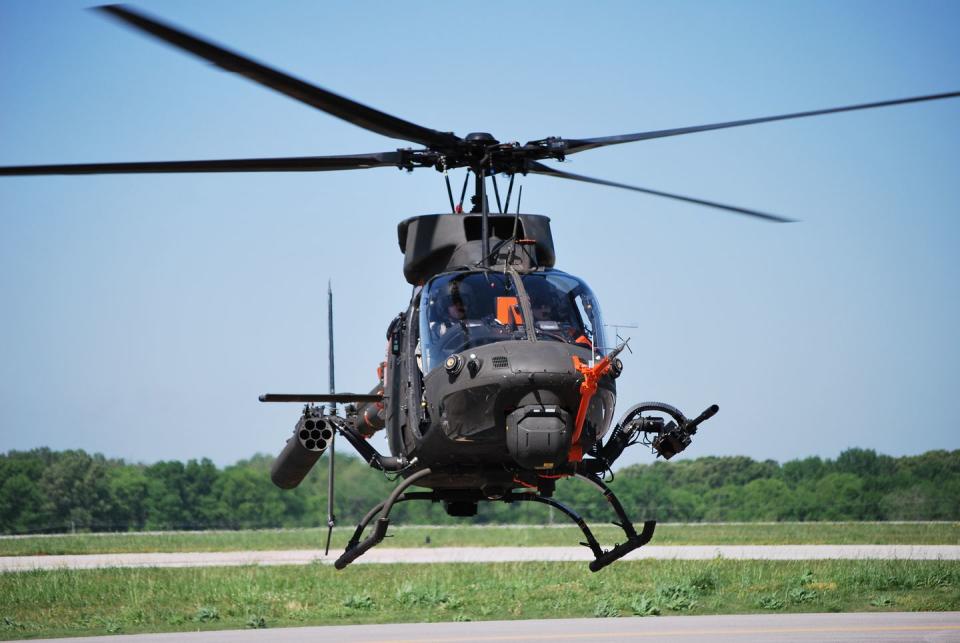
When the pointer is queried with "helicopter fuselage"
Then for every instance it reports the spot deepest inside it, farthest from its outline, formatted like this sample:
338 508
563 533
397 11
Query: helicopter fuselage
507 407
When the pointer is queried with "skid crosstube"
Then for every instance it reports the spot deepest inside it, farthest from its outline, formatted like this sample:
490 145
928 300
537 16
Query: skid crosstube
356 548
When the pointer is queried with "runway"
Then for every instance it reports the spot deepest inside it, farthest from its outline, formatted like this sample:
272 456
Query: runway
482 555
876 626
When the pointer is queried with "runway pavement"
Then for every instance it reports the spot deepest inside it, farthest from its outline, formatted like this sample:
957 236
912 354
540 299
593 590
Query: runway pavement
876 626
482 555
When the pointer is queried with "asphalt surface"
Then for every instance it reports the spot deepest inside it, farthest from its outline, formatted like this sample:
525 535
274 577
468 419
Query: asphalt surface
876 626
482 555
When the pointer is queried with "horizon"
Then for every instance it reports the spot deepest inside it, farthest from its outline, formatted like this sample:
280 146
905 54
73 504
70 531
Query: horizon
351 454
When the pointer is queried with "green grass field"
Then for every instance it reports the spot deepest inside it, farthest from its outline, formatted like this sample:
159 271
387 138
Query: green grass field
62 603
474 535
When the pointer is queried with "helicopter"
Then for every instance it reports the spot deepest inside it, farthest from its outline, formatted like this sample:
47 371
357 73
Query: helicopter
498 378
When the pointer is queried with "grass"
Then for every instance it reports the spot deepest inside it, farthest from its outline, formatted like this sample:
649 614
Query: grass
71 603
490 536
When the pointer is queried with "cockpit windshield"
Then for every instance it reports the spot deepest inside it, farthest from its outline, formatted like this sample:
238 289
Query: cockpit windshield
464 310
459 311
565 310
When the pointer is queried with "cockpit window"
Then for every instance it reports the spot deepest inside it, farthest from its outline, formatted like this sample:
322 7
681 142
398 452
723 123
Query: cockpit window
459 311
565 310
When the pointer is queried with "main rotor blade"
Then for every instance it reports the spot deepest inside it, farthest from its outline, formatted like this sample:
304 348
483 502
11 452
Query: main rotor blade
575 145
540 168
323 399
344 108
282 164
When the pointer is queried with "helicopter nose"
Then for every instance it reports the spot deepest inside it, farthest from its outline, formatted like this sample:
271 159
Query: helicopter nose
543 358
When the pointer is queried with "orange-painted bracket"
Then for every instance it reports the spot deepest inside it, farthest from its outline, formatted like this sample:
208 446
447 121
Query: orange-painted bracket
591 377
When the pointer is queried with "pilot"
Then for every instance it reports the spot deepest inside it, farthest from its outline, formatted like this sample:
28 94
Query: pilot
543 310
553 318
451 311
546 314
456 308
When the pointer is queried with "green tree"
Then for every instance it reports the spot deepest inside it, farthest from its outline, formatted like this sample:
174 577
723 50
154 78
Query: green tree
247 500
840 496
75 485
128 487
767 499
43 490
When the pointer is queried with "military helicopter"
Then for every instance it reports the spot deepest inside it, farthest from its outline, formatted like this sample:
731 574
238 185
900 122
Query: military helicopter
498 378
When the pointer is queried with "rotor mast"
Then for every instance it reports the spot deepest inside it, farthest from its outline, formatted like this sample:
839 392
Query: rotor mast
483 141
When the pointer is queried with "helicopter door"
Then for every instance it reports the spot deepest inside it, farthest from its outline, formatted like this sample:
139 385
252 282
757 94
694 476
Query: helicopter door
413 381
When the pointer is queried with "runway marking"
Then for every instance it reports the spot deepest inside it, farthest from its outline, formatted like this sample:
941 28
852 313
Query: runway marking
481 555
713 632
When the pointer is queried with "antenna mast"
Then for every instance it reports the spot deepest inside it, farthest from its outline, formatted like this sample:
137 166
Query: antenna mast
333 386
331 519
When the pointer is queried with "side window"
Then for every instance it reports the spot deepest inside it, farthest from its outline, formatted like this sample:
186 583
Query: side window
585 311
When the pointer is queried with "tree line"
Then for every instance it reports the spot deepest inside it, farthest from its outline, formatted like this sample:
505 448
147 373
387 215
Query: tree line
44 491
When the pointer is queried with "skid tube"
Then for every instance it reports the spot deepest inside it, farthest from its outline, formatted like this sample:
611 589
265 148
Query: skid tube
355 548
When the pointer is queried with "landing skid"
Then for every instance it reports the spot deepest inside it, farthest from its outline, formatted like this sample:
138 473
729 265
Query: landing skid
355 548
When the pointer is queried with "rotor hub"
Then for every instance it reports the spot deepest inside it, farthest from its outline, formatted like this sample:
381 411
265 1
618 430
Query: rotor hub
481 137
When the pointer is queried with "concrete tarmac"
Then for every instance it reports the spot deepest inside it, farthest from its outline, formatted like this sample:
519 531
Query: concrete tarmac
875 626
482 555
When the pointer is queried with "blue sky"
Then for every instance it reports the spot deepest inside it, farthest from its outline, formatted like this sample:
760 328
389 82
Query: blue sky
142 315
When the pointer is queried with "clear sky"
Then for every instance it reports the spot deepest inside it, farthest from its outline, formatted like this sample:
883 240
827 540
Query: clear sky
142 315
